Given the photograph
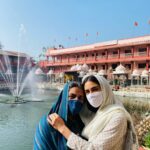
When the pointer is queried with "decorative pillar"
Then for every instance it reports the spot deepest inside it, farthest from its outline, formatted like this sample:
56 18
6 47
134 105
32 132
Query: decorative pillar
61 58
132 80
84 59
106 67
118 53
95 56
133 51
147 65
54 59
106 53
68 58
148 51
134 65
76 58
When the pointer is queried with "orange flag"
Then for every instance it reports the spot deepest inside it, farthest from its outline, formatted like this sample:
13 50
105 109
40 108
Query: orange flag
97 33
135 24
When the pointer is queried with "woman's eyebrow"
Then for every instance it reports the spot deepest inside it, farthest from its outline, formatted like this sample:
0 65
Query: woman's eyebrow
95 87
86 89
72 94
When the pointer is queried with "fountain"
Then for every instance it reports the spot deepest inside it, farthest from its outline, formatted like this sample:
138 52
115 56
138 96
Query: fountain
16 76
18 82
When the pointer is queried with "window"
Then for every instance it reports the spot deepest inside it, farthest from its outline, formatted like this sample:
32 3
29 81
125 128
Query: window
114 66
103 66
128 66
92 67
115 52
140 66
86 55
78 56
127 51
142 49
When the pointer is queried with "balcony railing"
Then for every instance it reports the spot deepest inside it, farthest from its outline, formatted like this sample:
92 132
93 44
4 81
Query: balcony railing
97 59
126 55
113 56
142 53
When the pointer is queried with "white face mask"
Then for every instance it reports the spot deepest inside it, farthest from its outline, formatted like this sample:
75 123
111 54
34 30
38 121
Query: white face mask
95 99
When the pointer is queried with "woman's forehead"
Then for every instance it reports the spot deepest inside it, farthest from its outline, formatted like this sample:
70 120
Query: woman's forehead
90 84
76 90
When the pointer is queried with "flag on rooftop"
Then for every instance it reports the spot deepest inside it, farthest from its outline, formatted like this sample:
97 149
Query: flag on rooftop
86 34
97 33
135 23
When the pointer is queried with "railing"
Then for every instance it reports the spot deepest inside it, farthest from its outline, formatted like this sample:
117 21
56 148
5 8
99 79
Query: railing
98 59
142 53
126 55
113 56
101 57
64 60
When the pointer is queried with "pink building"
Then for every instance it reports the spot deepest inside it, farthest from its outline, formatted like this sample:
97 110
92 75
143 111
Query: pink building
132 53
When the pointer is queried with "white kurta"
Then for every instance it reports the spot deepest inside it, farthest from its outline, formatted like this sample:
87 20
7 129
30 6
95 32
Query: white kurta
112 137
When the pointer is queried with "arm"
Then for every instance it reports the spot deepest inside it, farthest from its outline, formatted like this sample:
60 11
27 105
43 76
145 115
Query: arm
112 136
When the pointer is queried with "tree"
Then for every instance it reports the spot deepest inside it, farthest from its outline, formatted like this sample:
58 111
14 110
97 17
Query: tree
44 49
1 46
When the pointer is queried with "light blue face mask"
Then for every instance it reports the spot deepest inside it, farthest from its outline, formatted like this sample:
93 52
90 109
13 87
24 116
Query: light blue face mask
75 106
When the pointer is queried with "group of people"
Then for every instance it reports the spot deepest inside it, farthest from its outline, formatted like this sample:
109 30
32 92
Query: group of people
86 116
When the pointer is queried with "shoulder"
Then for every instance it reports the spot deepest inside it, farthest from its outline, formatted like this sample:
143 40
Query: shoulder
117 121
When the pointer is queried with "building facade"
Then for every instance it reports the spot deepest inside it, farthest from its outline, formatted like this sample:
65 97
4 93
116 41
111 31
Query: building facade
132 53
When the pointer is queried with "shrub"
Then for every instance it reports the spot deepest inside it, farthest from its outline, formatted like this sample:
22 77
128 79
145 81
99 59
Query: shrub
147 140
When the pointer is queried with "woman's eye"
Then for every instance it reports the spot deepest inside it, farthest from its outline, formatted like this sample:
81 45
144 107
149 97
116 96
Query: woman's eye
86 92
94 90
72 96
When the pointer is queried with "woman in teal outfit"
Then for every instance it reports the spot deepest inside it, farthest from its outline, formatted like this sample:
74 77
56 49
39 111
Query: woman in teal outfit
68 106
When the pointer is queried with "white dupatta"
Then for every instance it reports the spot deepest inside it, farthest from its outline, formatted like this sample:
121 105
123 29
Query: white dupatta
95 123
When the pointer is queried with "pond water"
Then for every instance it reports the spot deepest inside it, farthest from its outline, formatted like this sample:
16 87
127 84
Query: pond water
18 121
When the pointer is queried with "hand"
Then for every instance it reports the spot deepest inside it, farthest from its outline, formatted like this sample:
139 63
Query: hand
56 121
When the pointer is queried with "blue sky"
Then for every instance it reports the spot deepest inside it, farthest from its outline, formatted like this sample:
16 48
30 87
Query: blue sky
28 25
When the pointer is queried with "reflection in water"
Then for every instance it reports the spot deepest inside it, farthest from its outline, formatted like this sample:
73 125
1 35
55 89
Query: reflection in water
18 121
